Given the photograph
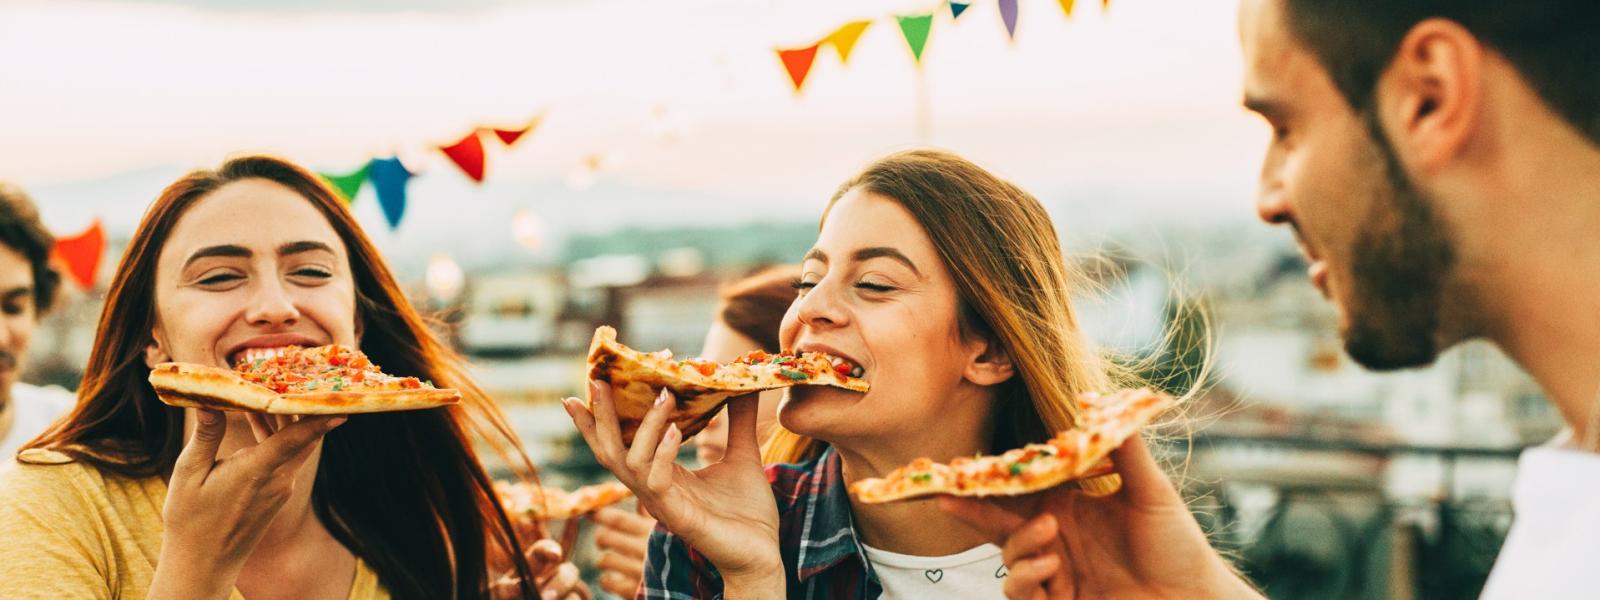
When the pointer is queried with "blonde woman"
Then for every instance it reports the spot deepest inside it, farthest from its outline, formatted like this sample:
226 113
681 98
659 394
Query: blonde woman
947 287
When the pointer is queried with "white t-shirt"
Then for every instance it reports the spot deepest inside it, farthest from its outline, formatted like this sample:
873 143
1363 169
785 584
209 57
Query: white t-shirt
33 409
1554 543
975 573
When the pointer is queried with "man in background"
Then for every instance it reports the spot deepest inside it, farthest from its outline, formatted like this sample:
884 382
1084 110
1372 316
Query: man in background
28 286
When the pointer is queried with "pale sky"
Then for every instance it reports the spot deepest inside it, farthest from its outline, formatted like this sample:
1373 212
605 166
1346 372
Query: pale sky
1141 101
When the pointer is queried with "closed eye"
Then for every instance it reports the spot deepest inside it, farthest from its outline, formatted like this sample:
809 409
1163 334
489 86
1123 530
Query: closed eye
317 273
220 278
875 287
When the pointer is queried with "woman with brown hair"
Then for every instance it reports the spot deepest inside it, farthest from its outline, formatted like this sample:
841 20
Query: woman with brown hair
947 287
747 319
127 497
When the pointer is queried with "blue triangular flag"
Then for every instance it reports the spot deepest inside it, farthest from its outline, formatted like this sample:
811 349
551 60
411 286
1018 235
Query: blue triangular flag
956 8
389 179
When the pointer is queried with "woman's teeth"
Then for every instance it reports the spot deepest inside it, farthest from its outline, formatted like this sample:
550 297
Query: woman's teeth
855 369
250 355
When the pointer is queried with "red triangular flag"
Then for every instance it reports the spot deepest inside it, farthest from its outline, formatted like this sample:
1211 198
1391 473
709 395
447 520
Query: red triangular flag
467 154
510 136
82 253
798 63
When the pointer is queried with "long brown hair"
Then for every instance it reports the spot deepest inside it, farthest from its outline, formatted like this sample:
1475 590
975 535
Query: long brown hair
404 491
1012 281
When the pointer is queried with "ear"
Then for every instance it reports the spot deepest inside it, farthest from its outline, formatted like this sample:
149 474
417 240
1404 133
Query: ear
154 354
990 363
1429 98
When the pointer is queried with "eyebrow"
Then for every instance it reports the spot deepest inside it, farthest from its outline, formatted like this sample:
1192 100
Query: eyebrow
16 292
868 254
237 251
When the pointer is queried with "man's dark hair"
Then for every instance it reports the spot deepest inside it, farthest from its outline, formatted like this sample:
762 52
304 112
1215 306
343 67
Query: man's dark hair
22 231
1552 43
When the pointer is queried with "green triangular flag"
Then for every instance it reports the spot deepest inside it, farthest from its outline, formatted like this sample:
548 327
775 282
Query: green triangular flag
915 28
349 184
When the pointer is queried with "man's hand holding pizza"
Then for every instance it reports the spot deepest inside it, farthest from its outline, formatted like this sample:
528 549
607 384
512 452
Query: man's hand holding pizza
1141 542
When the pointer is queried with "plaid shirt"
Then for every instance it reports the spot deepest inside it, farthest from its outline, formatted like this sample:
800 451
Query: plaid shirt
821 556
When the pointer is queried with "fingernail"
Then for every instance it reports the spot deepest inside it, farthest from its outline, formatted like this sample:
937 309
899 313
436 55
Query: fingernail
661 398
566 403
337 421
548 595
672 430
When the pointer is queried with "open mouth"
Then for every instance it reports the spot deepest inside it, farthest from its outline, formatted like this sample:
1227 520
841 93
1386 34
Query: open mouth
251 355
845 368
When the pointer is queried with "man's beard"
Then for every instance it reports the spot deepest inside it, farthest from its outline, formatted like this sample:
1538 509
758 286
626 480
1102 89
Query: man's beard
1401 262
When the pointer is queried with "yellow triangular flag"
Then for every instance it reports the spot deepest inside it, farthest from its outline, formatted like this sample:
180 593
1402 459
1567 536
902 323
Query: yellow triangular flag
844 38
1066 6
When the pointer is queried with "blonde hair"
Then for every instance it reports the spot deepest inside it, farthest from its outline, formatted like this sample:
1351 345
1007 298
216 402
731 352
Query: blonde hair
1014 285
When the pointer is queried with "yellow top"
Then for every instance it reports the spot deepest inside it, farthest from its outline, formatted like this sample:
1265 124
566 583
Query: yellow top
69 531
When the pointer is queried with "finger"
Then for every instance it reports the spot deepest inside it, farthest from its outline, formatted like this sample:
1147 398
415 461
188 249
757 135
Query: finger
629 566
292 444
624 522
196 458
618 584
1025 578
544 553
662 468
584 421
607 432
1038 536
742 412
564 582
645 438
1142 477
626 544
281 421
258 426
985 517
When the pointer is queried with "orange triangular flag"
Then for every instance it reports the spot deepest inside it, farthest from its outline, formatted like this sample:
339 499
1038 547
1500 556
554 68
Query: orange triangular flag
844 38
798 63
510 136
1066 6
467 154
82 253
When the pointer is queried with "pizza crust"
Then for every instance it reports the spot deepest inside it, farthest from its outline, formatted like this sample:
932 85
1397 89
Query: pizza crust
637 377
202 386
1078 454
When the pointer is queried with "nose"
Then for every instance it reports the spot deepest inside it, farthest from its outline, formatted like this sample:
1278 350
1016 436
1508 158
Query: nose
820 308
1272 204
271 306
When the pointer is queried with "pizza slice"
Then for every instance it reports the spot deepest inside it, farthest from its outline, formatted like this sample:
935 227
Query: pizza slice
526 500
1080 453
701 387
324 380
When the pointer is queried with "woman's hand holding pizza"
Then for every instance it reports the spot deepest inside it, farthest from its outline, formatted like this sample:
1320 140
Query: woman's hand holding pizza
1141 542
725 511
217 508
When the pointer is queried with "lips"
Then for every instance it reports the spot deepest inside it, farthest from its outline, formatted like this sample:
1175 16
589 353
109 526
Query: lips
1318 271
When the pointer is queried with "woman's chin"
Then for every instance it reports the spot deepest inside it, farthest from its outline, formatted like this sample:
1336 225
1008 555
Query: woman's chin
815 410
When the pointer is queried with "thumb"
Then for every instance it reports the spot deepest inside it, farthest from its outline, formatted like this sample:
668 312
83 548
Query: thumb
742 424
1142 477
201 451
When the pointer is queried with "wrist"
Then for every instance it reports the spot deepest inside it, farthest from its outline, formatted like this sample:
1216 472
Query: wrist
1227 582
179 576
769 583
